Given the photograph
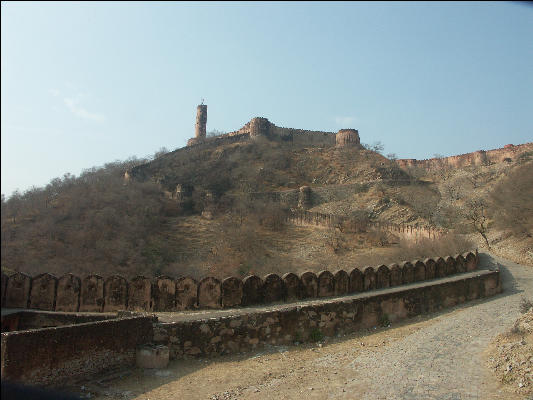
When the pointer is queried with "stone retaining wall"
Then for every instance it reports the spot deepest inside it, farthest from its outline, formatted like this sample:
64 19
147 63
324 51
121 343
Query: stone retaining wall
96 294
58 354
248 330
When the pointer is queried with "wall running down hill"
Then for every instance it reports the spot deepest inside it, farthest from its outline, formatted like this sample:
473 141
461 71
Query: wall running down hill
96 294
481 157
405 231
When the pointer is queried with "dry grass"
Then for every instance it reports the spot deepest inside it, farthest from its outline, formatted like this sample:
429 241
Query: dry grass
227 246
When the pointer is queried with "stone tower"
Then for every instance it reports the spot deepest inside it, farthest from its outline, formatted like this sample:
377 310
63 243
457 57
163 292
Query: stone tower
201 121
347 137
259 127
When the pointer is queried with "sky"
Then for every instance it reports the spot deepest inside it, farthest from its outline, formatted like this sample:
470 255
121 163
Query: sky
83 84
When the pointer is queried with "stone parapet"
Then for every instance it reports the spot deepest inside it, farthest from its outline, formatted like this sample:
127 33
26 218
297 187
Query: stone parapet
52 356
242 330
164 293
508 153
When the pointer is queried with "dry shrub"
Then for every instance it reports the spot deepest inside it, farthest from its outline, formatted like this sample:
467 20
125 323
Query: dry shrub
511 205
335 240
377 237
525 305
240 247
449 244
356 222
272 216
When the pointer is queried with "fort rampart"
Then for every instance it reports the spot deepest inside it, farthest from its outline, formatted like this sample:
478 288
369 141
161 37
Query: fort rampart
301 136
58 354
481 157
93 293
249 329
406 231
324 305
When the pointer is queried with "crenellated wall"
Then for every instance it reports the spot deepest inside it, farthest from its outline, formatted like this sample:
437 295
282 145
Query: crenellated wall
196 335
481 157
406 231
86 347
262 127
96 294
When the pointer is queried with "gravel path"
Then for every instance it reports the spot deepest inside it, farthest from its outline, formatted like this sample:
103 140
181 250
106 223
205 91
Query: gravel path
445 360
438 356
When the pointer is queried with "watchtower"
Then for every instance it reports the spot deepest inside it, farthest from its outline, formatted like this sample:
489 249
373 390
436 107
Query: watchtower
259 126
347 137
201 121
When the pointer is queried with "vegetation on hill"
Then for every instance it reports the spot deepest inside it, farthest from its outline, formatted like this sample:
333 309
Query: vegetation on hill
83 224
98 223
493 203
263 165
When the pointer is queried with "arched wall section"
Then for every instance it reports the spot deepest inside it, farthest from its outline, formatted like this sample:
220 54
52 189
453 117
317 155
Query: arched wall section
93 293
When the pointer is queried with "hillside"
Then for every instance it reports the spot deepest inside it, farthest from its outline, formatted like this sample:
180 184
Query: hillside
219 209
264 165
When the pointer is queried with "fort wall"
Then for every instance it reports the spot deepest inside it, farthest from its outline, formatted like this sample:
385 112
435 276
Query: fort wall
58 354
263 127
481 157
405 231
250 329
96 294
83 350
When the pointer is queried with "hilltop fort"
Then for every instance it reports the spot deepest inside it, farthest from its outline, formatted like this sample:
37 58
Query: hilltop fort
262 127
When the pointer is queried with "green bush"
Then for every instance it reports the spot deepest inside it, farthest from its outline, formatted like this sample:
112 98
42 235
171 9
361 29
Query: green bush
384 320
316 335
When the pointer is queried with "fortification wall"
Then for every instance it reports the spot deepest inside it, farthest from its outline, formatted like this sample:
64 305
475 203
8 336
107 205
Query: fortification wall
37 319
319 195
251 329
298 136
481 157
406 231
96 294
58 354
304 137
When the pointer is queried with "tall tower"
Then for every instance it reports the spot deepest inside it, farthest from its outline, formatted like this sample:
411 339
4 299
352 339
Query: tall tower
201 121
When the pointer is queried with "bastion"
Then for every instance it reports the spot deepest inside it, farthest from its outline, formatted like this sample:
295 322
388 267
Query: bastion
347 137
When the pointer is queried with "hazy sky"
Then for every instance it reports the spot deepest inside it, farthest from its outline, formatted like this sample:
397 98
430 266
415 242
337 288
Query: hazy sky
88 83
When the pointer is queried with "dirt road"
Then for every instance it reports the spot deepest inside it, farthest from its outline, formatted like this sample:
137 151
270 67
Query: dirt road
438 356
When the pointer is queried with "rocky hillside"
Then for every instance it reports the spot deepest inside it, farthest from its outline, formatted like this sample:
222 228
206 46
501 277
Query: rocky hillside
219 209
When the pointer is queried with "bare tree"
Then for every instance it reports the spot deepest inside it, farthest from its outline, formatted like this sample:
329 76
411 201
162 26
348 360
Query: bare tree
511 205
377 146
464 204
161 152
474 210
215 132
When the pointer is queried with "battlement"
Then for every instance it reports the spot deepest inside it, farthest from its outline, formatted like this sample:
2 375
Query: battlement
481 157
93 293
